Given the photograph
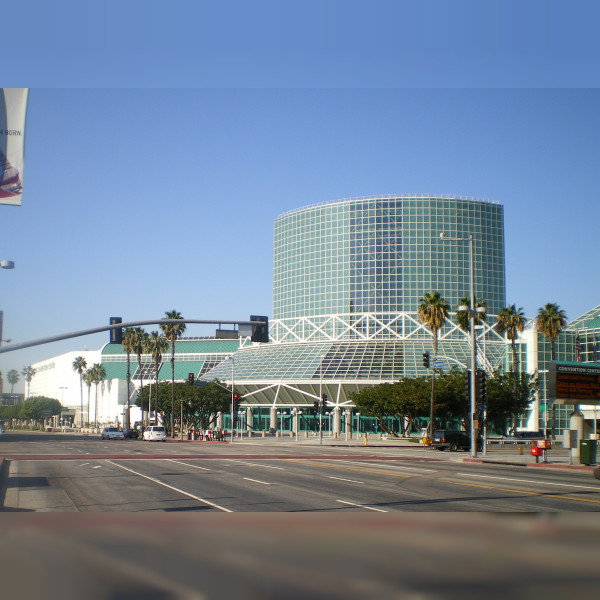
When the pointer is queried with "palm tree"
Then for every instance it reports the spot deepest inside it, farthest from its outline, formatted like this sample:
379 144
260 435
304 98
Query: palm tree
511 320
140 344
433 312
156 345
173 331
13 379
28 372
88 379
549 321
98 375
130 342
79 366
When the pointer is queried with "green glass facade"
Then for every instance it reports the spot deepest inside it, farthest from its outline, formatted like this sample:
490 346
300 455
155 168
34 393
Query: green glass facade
380 255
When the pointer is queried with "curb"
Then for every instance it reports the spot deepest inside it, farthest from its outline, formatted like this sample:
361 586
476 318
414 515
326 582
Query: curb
522 464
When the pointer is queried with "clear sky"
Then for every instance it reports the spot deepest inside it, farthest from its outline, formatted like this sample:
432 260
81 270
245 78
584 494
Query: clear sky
163 139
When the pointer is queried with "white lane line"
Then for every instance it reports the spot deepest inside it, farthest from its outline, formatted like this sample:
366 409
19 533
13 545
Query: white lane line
241 462
187 465
585 487
203 500
342 479
394 466
361 506
97 467
256 481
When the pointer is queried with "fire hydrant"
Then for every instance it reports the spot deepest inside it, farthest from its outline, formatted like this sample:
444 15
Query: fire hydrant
365 440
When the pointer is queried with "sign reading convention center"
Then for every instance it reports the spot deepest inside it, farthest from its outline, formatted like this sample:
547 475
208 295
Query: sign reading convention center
574 383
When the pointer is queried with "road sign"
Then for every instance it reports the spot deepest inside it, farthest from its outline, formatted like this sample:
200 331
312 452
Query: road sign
438 364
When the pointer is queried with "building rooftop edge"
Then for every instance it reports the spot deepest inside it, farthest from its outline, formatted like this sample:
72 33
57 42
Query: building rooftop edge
387 197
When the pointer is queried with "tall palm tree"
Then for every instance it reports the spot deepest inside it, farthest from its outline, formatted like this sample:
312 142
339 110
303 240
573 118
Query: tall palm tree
88 379
511 320
140 344
79 366
130 342
433 312
156 345
28 372
173 331
549 321
13 379
98 375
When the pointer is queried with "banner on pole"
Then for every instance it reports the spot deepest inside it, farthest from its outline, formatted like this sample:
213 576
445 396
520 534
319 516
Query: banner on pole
13 104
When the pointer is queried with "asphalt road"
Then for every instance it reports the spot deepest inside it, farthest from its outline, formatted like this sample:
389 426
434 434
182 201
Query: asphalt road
79 474
125 519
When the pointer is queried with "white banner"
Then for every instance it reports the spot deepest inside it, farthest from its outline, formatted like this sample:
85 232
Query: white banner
13 104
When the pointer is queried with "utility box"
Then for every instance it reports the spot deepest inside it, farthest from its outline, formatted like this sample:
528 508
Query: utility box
587 452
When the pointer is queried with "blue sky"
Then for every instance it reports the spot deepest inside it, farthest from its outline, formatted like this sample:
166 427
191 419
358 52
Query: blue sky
162 144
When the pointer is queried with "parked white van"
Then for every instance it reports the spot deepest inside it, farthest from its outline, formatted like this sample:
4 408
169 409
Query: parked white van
155 434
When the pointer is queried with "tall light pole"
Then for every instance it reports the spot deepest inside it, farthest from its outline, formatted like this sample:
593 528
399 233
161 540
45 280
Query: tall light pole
232 394
471 310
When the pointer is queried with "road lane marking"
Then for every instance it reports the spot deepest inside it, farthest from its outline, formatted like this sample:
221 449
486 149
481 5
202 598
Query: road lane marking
342 479
241 462
97 467
542 494
585 487
362 506
256 481
203 500
395 466
325 466
187 465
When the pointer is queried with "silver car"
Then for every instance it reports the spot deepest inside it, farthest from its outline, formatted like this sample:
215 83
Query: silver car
112 433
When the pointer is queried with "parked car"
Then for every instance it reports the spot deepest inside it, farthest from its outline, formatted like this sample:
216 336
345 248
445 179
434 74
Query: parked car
453 440
131 434
112 433
155 433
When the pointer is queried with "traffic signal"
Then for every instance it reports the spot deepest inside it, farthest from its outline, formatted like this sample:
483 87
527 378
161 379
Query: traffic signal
426 360
236 401
467 384
191 378
481 391
317 406
116 334
324 404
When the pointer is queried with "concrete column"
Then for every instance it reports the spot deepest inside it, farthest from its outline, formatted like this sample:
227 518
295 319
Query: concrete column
249 421
576 424
273 419
219 421
336 421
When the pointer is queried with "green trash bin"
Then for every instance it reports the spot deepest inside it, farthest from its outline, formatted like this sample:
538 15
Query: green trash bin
587 452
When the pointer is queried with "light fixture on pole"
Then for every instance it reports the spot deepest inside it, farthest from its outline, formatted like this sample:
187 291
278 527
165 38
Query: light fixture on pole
471 310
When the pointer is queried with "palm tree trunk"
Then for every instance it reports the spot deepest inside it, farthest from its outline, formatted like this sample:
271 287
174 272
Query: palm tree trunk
128 390
515 385
173 389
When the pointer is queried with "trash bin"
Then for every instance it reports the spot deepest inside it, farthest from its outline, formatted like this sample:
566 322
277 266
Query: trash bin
587 452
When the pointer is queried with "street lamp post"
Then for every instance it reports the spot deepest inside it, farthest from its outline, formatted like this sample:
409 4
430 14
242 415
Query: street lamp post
471 310
232 393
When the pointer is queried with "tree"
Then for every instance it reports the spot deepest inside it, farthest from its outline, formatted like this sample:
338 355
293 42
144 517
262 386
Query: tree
156 345
130 342
173 331
199 405
13 379
549 321
35 407
28 373
98 375
79 366
500 394
433 312
88 379
511 320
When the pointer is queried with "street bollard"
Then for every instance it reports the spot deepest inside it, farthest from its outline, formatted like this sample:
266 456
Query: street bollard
365 442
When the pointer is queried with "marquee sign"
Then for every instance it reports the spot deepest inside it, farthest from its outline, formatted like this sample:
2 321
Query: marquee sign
574 383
